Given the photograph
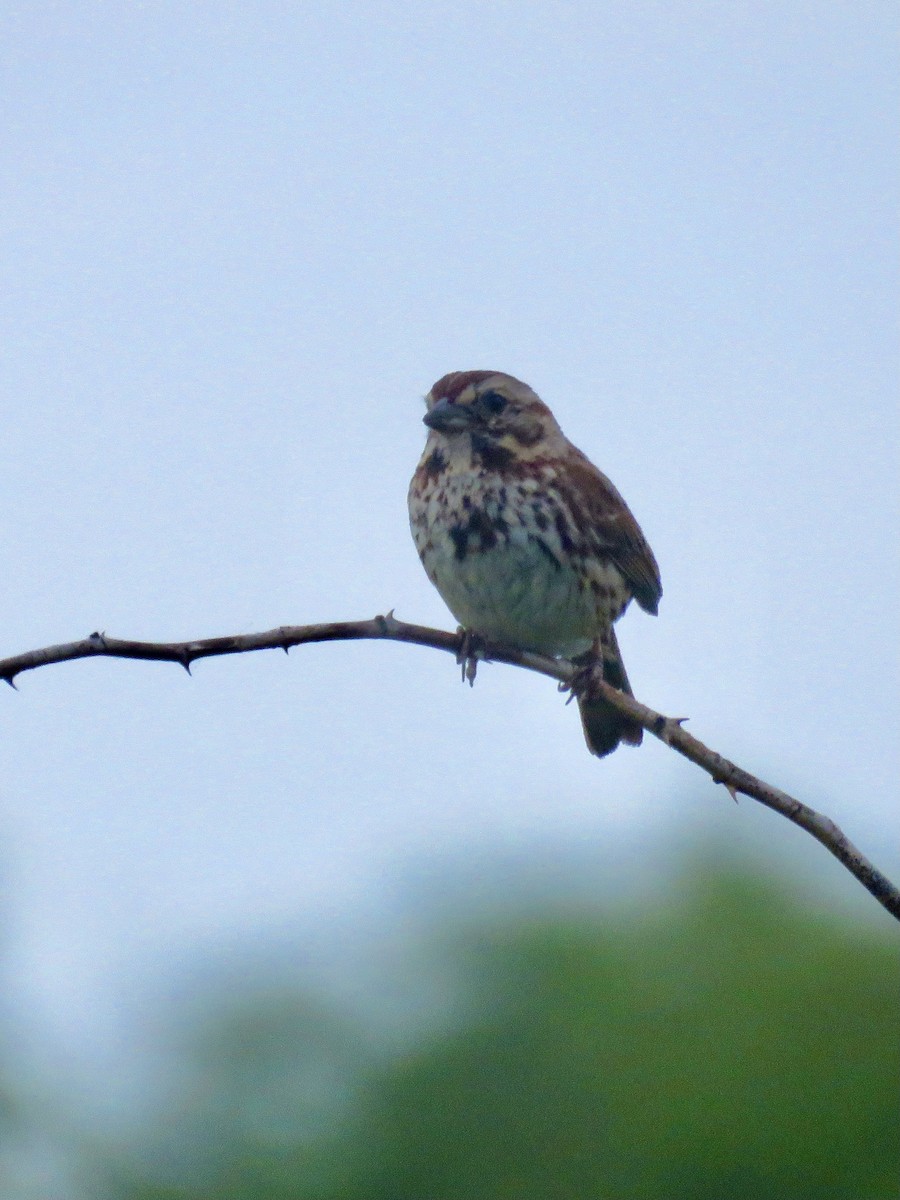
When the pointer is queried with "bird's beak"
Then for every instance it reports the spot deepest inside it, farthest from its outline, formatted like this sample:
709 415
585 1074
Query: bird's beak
447 417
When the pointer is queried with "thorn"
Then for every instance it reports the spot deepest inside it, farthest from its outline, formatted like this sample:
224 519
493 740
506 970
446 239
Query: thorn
387 623
286 648
97 639
666 730
186 663
729 788
11 680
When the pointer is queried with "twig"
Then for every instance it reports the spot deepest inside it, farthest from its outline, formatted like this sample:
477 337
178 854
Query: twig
667 729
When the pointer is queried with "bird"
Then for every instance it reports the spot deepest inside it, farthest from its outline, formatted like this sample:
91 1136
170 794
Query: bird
530 546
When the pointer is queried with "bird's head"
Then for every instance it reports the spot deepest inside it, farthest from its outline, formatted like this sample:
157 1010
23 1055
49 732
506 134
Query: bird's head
494 410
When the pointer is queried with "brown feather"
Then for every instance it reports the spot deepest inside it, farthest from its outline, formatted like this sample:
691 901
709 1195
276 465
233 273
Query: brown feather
617 533
527 541
604 726
449 386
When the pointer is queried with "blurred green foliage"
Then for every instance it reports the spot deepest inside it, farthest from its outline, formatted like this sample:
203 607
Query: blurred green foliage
730 1043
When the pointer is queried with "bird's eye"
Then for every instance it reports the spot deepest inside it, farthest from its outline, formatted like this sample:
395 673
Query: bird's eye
493 402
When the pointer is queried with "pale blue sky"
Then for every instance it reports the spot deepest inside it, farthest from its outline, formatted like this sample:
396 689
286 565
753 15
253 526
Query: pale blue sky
239 243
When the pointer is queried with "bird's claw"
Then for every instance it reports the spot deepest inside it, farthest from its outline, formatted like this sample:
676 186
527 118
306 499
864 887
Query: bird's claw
583 680
471 648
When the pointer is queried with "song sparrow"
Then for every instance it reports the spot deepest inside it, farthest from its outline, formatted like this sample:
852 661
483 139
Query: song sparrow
527 542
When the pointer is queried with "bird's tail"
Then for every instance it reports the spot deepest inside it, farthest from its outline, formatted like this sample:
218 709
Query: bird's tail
604 727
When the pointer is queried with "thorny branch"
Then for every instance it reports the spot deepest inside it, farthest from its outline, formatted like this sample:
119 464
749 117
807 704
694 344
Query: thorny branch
667 729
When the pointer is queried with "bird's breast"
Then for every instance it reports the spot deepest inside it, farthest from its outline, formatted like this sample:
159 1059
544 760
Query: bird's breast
504 557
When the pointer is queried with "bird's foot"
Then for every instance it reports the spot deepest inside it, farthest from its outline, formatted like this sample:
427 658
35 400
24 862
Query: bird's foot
588 673
471 649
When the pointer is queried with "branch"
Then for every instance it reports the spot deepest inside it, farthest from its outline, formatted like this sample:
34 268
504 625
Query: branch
667 729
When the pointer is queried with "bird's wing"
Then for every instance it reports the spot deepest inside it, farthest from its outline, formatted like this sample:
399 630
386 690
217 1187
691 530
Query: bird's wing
615 533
